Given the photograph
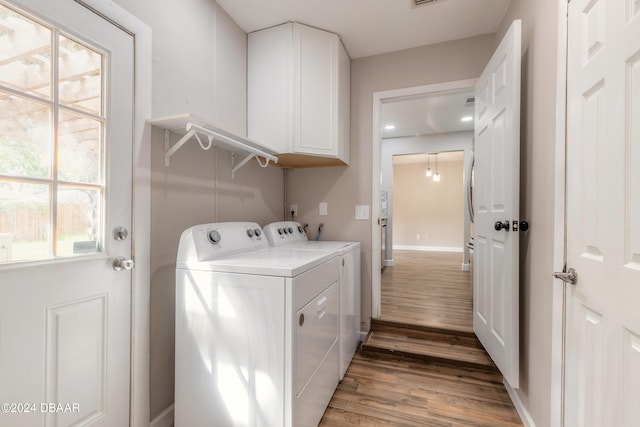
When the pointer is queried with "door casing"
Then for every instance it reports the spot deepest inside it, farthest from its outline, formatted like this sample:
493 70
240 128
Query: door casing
378 99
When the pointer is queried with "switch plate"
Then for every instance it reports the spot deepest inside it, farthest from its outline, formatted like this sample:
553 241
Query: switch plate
322 208
362 212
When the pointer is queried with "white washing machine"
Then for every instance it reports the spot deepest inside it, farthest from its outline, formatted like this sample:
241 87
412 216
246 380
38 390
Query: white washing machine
290 234
256 330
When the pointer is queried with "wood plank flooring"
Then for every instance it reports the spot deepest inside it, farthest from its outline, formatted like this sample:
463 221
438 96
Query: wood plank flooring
440 346
428 289
385 390
421 364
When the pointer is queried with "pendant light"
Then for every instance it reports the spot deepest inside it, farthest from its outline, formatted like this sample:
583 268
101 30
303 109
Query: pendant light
428 171
436 176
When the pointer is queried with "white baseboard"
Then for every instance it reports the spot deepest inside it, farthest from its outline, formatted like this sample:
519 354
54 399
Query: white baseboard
525 417
164 419
427 248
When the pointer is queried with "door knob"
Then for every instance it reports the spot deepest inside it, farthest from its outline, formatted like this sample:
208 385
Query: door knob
121 263
502 225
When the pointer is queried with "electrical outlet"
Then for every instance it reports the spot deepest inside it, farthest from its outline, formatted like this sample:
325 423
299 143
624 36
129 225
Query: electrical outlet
322 208
293 210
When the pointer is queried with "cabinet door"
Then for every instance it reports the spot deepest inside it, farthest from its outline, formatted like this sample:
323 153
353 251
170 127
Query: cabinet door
269 87
315 91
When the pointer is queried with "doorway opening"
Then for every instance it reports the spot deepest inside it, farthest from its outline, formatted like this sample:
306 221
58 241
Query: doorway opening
426 286
431 126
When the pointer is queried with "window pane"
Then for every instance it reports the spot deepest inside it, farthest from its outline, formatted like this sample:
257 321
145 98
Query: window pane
79 149
80 76
24 221
79 221
25 137
25 54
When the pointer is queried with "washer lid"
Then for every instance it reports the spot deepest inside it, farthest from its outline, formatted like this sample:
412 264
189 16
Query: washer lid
282 262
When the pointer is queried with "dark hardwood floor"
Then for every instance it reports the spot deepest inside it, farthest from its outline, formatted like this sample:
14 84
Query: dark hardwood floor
428 289
421 364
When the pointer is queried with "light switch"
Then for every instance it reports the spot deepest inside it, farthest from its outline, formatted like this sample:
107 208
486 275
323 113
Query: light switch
362 212
322 208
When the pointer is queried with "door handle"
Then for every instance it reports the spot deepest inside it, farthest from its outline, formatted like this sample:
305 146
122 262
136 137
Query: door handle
502 225
121 263
570 276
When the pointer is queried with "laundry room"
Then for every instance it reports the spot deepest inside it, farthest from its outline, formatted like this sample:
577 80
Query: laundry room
201 109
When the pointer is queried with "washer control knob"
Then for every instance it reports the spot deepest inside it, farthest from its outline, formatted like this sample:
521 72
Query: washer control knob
285 230
250 232
214 236
290 230
257 232
300 229
280 231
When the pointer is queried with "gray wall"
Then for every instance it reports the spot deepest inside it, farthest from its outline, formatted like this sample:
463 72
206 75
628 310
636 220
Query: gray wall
199 67
428 215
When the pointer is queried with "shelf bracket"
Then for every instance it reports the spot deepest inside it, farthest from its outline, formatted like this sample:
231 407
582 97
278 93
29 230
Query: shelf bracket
168 152
234 167
193 130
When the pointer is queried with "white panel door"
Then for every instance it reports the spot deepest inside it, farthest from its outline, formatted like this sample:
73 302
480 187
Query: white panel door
65 315
602 365
497 198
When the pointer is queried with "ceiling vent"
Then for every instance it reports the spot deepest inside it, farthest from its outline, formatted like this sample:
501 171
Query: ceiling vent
470 101
418 3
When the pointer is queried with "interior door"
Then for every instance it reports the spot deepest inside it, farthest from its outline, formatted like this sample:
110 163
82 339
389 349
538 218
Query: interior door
602 336
496 201
66 88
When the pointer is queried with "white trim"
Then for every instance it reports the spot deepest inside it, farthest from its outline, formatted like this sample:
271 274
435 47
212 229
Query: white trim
378 98
388 263
559 223
164 418
427 248
524 414
140 291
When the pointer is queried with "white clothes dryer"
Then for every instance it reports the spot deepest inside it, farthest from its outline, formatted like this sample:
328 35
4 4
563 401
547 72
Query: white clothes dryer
256 330
290 234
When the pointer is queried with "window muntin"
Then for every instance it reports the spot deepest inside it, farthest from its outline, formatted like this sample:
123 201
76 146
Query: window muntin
52 177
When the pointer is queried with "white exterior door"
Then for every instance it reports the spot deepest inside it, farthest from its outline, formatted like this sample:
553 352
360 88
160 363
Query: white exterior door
64 312
497 198
602 336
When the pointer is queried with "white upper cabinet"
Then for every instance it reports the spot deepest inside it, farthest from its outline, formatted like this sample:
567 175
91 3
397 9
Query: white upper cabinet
299 95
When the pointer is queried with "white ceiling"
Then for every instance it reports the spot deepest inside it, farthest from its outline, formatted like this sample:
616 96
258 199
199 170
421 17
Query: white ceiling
426 115
371 27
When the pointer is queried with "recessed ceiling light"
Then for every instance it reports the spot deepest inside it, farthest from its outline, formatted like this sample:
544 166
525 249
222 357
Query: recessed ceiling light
467 118
390 127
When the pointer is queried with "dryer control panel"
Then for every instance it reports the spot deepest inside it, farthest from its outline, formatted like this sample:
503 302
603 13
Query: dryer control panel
279 233
207 242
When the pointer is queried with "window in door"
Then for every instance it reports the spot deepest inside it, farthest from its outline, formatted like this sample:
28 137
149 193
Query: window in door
52 121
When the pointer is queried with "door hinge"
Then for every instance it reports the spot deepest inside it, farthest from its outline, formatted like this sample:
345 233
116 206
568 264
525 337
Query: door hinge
570 276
